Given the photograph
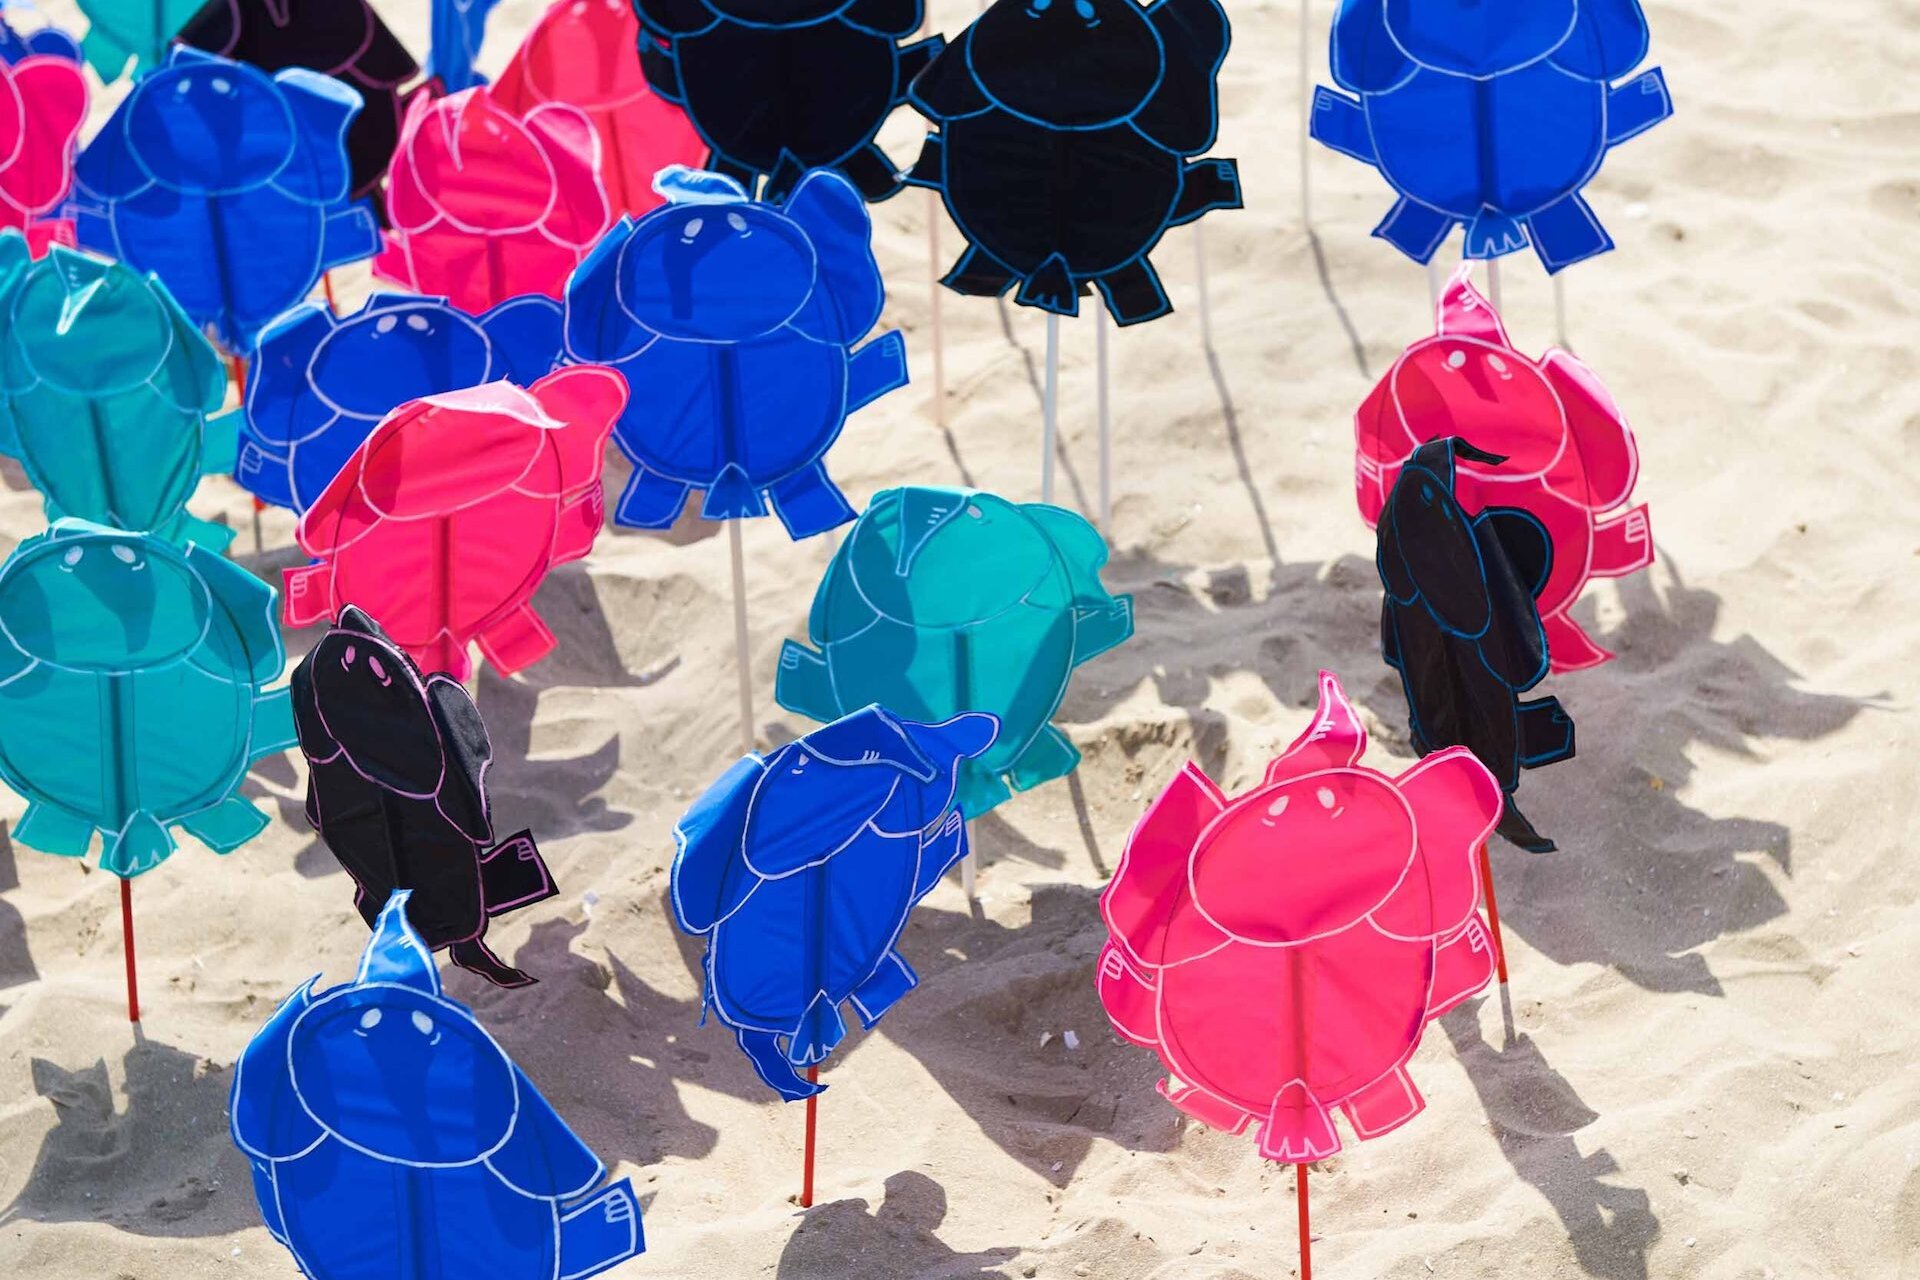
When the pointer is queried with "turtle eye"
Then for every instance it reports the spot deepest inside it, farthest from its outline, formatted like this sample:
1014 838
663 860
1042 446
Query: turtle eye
1456 359
418 323
1037 7
1325 796
379 669
368 1021
385 324
71 559
738 223
1498 365
691 229
346 659
1085 9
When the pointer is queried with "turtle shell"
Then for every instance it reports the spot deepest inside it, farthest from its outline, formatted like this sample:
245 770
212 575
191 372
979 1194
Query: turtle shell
974 613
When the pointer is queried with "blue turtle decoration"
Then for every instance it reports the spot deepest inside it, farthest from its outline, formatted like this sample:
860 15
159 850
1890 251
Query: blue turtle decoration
1065 145
735 322
321 383
456 30
133 693
1494 113
51 41
391 1138
1461 625
228 184
778 87
801 869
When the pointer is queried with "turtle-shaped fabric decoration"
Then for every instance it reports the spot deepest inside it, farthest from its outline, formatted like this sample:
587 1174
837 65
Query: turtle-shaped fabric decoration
344 39
396 787
1495 113
1570 458
778 87
584 52
1064 145
320 383
133 693
131 36
801 869
16 45
1461 625
227 183
457 28
391 1138
488 204
43 99
740 319
942 601
446 520
105 388
1283 950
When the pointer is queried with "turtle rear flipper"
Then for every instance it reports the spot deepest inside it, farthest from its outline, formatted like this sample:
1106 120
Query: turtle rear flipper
51 829
1050 755
1565 232
808 502
880 992
513 875
1516 830
478 959
273 727
979 790
227 825
650 500
1415 229
518 640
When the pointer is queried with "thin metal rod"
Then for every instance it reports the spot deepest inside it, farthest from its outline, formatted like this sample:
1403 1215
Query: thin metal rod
1493 285
1102 398
740 635
1433 283
1306 1229
1493 914
126 939
1560 312
1200 277
1306 113
933 294
813 1117
1050 408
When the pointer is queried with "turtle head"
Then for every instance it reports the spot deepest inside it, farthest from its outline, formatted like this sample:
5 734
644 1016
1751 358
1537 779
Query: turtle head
88 326
89 598
819 792
947 557
1304 856
1427 549
1074 64
386 1064
419 346
357 694
711 265
1480 38
777 13
210 125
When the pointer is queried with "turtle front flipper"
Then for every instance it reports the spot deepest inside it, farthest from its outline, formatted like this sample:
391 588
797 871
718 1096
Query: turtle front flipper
516 641
978 791
770 1064
1129 997
1546 733
51 829
220 443
1206 185
1414 229
1050 755
1050 287
1565 232
477 958
808 502
186 529
804 685
227 825
942 850
1462 965
880 992
1099 628
273 729
875 369
1568 643
1637 106
108 54
1340 123
514 875
601 1233
650 501
872 173
914 59
930 169
140 846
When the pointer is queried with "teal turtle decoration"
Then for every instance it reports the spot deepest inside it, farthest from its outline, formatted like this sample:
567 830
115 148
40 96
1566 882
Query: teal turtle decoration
944 601
133 693
105 388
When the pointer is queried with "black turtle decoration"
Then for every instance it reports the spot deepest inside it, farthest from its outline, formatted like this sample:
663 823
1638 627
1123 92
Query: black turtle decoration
344 39
778 87
1066 131
1461 625
396 788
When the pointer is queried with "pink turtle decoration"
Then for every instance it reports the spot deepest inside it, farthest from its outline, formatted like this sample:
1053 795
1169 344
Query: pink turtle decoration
42 103
443 524
1283 950
1570 456
587 53
488 204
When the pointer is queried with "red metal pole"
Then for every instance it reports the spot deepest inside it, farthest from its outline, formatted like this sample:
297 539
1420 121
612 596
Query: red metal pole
813 1112
326 283
126 936
1306 1236
1493 915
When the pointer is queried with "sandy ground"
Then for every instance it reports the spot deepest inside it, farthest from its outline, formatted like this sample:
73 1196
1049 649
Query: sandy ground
1710 1067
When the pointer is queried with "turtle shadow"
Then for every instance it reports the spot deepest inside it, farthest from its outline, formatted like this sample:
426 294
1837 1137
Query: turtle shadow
1658 879
899 1237
163 1167
1535 1113
989 1023
1230 416
16 959
1354 342
607 1049
552 798
13 475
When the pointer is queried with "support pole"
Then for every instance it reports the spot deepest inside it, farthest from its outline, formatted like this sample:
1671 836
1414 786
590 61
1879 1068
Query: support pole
740 636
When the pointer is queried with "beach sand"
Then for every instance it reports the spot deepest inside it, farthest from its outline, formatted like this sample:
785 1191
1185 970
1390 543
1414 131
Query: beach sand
1711 1063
